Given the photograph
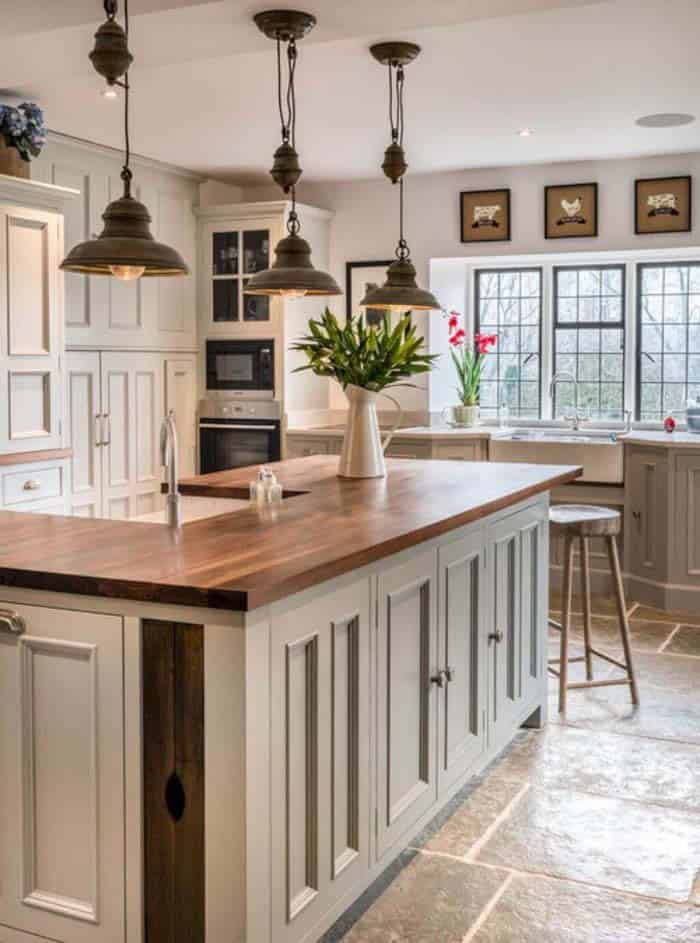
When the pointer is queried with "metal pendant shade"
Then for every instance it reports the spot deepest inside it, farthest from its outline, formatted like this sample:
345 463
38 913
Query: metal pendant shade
400 291
292 272
125 241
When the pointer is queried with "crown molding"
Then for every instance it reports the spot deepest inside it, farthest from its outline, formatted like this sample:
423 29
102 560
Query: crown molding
256 210
34 193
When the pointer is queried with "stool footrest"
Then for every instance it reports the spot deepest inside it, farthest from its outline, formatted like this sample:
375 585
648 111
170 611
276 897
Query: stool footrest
609 658
606 683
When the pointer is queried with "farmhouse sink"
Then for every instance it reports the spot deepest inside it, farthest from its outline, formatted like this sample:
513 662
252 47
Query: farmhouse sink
599 453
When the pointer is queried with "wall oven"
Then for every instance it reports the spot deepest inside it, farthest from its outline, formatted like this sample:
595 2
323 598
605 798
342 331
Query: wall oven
236 434
241 368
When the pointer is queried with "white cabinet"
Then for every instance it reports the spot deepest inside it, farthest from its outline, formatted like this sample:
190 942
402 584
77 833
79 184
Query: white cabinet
35 486
62 784
115 403
31 335
320 749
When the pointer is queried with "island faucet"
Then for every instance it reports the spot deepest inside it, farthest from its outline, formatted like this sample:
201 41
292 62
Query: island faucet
168 457
563 376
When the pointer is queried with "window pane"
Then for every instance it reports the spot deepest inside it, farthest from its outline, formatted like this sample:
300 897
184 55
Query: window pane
669 337
508 303
585 299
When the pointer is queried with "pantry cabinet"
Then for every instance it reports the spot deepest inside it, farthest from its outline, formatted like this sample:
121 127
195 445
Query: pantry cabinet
62 859
647 511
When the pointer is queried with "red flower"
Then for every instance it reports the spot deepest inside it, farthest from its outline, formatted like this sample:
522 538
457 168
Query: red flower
484 342
457 338
453 323
669 424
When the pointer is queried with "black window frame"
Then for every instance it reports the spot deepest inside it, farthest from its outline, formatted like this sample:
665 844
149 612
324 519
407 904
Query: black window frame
589 325
639 269
508 270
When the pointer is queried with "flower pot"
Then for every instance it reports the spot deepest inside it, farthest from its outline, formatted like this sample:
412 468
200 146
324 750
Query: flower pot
363 448
461 416
11 163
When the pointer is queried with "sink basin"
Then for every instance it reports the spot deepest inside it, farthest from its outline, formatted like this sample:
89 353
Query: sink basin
585 436
194 509
600 456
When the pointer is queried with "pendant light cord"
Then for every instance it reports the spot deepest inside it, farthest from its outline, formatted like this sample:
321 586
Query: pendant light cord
126 173
287 105
396 123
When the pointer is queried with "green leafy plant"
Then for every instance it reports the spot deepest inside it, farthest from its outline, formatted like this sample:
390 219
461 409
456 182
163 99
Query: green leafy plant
373 358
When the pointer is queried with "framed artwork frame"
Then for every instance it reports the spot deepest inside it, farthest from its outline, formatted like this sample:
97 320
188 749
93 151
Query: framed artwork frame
571 211
357 276
663 204
484 215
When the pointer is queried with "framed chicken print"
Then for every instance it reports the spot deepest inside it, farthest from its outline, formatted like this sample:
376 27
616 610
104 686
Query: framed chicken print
663 204
571 211
485 215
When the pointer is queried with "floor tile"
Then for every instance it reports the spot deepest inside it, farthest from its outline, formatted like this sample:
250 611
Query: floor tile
607 764
669 708
614 843
659 615
433 900
474 816
600 605
541 910
686 641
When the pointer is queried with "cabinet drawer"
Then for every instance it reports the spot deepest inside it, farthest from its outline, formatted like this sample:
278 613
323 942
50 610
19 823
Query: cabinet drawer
32 484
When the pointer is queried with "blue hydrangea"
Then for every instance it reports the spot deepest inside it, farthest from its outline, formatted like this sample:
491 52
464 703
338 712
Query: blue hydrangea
23 128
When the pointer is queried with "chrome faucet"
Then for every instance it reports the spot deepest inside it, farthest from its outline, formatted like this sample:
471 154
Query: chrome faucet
563 376
168 457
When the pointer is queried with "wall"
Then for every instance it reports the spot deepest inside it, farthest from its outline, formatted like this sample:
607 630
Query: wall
365 224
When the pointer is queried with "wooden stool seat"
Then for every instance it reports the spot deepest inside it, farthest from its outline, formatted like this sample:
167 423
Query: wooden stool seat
581 522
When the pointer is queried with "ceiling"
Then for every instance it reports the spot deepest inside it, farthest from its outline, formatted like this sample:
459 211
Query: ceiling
579 72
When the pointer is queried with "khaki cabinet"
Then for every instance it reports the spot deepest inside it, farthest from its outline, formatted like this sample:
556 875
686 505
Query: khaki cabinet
464 451
300 446
62 859
320 749
647 512
686 516
408 448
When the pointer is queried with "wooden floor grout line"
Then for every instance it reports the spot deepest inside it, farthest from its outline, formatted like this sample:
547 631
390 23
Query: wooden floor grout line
671 634
502 816
488 910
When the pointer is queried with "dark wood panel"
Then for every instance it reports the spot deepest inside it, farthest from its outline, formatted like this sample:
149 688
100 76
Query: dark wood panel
173 788
252 557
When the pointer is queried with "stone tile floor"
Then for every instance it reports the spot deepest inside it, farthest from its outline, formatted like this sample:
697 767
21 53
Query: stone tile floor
586 832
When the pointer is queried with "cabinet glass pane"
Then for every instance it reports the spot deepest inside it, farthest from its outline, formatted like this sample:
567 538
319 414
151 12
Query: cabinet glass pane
225 253
225 301
256 250
255 307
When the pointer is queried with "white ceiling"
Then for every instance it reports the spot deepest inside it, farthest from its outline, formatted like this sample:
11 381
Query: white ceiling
577 71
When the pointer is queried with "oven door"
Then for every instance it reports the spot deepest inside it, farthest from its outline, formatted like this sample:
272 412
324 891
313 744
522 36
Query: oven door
224 444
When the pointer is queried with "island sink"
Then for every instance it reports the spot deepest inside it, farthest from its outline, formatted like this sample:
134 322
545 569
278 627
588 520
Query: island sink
226 732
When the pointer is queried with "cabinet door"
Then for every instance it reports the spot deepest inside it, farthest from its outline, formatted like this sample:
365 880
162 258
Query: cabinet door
516 623
320 747
84 432
181 396
646 513
233 251
460 451
132 404
62 784
30 329
686 544
408 448
406 698
461 648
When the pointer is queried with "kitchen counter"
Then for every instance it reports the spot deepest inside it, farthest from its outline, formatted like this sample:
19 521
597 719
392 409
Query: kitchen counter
326 527
409 432
673 440
25 458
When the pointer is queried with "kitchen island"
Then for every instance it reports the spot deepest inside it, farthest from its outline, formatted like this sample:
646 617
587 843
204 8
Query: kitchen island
225 732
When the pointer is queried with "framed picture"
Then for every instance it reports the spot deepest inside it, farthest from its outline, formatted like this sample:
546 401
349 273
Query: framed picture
663 204
571 210
359 276
485 215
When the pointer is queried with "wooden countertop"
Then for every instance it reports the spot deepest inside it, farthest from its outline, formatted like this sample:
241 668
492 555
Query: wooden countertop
24 458
250 558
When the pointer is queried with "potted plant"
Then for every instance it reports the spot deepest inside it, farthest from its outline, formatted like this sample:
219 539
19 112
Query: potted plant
468 359
22 136
366 361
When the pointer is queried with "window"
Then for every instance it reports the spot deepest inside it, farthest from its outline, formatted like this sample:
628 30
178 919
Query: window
668 348
509 303
589 337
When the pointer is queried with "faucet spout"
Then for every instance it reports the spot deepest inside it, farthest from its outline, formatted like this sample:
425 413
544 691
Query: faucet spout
169 459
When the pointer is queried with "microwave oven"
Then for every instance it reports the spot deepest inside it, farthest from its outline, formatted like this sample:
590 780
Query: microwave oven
243 368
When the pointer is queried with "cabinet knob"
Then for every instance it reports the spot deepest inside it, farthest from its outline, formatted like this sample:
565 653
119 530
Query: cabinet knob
440 679
496 636
637 515
12 622
32 485
450 672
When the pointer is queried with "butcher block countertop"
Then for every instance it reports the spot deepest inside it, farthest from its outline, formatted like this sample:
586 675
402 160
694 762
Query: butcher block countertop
326 526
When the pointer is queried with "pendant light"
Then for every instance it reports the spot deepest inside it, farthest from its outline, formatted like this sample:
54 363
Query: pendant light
292 273
126 248
400 291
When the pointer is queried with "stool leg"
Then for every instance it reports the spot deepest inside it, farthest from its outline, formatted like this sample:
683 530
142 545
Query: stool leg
586 588
622 614
565 620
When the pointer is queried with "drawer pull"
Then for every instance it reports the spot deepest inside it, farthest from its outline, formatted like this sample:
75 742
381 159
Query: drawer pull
496 637
440 679
12 622
32 485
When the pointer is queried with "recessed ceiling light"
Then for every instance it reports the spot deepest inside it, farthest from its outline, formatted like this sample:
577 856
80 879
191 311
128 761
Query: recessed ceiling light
525 132
665 119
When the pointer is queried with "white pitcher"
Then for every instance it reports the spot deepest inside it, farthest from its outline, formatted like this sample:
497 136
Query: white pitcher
363 447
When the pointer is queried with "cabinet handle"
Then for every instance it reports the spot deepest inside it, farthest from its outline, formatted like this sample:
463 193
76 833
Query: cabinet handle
440 679
98 430
107 422
450 672
31 485
637 515
12 622
496 636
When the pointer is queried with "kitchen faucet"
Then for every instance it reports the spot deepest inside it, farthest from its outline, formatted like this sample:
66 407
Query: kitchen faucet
168 457
563 376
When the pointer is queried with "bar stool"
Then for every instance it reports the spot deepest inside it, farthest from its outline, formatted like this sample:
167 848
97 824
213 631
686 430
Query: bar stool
577 521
